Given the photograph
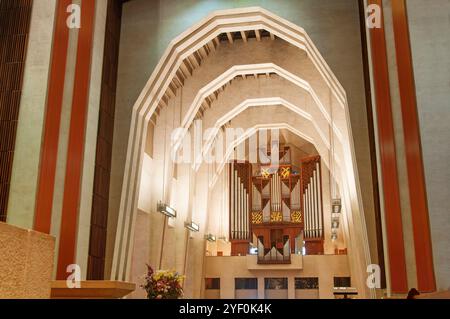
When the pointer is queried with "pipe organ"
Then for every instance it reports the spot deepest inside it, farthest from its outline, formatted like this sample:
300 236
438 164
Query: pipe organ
278 205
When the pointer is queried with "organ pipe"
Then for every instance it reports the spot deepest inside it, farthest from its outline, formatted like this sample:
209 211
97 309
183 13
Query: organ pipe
295 196
239 212
238 205
266 212
307 211
247 217
276 192
286 211
304 214
233 202
319 187
311 213
256 199
314 203
242 213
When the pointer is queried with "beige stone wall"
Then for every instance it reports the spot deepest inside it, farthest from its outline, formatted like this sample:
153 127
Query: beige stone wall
26 263
325 267
25 169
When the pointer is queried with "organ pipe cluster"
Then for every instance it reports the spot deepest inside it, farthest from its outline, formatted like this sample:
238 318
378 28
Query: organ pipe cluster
239 217
312 204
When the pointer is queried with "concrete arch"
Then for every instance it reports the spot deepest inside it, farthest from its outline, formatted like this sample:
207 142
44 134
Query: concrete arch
180 48
240 70
282 114
266 102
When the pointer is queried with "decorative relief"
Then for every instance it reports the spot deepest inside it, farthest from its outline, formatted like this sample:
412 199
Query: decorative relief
296 217
285 172
276 217
265 173
257 217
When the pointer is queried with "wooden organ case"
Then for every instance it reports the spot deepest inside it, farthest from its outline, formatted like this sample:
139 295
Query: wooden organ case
278 208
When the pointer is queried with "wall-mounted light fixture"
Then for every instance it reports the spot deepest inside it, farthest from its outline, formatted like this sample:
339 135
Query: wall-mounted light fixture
210 237
166 210
334 234
192 226
336 205
335 222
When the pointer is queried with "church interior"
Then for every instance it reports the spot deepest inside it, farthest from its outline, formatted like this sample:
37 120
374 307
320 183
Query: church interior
224 149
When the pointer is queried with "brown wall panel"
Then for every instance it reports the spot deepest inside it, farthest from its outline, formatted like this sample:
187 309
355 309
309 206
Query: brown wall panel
388 158
372 146
15 16
99 217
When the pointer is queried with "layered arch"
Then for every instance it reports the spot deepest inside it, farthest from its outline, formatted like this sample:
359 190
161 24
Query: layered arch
152 95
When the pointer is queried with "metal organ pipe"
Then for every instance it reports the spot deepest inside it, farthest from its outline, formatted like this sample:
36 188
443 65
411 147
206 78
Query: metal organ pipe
238 199
314 205
232 205
272 193
247 215
314 202
311 207
239 212
238 205
256 205
295 196
319 187
308 202
242 197
307 211
277 192
305 221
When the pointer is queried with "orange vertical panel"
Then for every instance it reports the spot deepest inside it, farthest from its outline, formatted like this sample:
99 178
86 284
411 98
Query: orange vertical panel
416 176
46 181
385 125
75 152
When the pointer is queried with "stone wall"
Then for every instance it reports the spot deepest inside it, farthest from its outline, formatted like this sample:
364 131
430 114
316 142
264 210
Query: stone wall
26 263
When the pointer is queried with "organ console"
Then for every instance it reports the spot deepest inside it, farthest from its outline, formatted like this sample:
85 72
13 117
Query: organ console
280 206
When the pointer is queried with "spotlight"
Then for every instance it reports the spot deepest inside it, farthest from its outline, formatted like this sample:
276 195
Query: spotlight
336 205
334 234
335 222
166 210
192 226
210 237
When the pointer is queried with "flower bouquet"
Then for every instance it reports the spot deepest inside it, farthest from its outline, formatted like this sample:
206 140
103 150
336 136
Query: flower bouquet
163 284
